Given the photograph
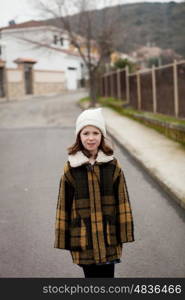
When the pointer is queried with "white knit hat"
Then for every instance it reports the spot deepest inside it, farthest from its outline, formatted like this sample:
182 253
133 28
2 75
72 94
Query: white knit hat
92 116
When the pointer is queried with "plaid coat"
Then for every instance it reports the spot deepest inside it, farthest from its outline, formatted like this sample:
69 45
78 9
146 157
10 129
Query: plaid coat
93 216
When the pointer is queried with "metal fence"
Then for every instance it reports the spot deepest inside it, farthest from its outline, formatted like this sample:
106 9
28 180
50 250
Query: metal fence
157 90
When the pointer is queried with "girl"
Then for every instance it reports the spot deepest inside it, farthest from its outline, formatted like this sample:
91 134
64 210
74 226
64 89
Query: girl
94 216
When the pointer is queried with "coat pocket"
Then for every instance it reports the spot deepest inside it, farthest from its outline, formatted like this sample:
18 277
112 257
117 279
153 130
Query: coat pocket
78 235
111 231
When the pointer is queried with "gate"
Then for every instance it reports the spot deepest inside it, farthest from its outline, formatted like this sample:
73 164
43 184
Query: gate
28 79
2 93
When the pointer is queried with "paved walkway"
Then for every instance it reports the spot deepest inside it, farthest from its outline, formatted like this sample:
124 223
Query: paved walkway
163 158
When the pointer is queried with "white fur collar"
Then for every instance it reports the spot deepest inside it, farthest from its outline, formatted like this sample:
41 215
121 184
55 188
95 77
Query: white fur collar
79 158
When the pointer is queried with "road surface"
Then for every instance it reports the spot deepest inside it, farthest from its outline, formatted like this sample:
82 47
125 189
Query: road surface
34 135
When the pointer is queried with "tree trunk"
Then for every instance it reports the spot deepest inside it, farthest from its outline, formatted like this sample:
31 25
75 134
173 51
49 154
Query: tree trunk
93 89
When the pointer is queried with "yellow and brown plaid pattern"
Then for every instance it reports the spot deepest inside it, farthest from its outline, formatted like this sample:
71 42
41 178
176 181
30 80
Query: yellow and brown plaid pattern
94 214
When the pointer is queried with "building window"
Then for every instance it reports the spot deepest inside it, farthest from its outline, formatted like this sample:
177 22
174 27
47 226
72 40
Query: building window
55 39
61 41
71 68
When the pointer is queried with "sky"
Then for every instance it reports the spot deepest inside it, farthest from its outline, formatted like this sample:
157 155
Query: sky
24 10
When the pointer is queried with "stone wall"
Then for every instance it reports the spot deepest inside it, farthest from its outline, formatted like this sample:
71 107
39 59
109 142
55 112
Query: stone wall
41 88
15 90
47 82
15 84
44 82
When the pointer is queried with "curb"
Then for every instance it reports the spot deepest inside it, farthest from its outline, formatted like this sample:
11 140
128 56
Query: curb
164 186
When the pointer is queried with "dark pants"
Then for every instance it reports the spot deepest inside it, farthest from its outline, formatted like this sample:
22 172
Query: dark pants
99 271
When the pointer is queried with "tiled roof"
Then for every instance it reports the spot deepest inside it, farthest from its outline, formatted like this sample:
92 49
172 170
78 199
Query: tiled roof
27 24
2 63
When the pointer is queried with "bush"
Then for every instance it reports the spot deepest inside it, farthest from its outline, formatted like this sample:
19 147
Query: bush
122 63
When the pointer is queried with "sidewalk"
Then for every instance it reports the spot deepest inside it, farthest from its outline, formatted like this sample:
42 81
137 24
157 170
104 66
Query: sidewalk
163 158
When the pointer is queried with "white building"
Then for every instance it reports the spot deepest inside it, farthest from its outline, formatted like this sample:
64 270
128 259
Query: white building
39 59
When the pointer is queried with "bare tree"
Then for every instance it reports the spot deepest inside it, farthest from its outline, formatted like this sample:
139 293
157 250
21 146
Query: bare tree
95 38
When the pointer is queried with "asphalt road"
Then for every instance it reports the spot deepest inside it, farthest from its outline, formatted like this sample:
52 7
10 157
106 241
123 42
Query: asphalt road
34 135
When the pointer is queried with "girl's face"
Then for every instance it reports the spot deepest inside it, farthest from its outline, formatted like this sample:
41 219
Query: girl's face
91 138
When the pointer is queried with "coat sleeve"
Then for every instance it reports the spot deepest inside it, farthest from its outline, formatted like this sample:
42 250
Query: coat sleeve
63 214
125 225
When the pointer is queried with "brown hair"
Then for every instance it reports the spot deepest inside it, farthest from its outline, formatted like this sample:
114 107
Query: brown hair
78 146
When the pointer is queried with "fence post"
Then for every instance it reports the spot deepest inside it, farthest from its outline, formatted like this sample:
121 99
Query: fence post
138 90
102 86
100 89
118 84
109 89
176 94
112 85
127 84
106 79
154 90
